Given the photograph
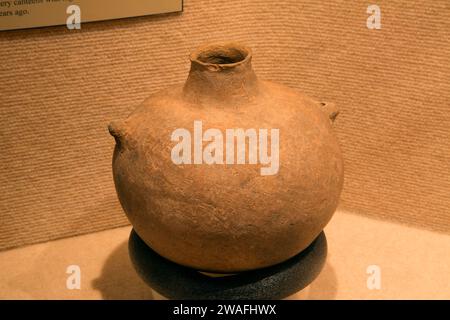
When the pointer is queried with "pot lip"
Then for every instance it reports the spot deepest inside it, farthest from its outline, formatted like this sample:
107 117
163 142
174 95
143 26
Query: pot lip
194 56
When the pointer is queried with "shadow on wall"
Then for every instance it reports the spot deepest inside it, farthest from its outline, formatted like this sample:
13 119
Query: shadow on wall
119 280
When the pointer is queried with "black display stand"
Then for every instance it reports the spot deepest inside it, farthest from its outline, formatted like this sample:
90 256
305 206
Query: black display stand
174 281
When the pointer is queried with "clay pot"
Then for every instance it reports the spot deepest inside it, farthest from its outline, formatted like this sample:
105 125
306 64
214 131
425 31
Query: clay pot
227 216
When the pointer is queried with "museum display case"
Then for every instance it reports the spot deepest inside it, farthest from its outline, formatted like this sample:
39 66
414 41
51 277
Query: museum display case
224 150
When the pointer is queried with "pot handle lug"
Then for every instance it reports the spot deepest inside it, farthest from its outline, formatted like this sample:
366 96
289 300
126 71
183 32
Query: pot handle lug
330 109
118 130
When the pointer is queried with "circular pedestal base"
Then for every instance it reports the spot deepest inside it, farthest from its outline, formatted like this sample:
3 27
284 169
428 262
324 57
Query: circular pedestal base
174 281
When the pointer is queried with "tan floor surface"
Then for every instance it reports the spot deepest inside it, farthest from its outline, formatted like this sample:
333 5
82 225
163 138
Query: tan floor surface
414 264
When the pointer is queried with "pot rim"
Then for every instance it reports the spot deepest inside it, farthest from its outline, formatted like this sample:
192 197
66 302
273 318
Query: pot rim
219 48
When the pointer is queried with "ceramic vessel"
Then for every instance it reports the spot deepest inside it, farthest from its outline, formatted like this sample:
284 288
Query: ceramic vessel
227 215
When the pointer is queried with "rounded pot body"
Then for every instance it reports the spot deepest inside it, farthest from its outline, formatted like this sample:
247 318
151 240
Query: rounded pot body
226 172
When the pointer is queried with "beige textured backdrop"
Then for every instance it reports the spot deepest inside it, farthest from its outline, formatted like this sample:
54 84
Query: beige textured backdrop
60 88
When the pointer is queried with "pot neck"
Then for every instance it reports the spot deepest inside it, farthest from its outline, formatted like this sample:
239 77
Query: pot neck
221 73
